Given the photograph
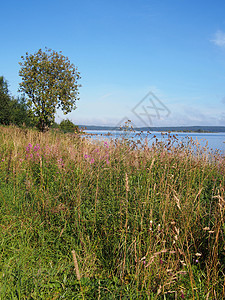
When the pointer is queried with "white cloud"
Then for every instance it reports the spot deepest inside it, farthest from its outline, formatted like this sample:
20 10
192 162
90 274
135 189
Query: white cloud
106 96
219 38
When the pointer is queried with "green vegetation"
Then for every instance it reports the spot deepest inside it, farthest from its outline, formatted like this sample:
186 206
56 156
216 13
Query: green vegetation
12 111
16 112
68 126
50 82
143 223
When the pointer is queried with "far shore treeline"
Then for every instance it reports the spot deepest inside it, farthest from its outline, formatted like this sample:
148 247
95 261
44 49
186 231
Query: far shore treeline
200 129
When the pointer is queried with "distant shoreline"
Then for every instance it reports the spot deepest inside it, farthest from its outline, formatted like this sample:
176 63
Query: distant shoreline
186 129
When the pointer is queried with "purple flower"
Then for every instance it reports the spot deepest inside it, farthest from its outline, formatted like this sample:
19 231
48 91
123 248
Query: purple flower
28 147
36 147
85 156
92 161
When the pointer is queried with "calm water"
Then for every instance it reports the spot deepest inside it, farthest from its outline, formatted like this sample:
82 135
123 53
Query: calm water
216 141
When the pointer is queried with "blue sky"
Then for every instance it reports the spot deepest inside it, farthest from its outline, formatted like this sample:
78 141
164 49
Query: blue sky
124 49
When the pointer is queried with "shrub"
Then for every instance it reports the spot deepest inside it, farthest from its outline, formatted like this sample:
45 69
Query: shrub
68 126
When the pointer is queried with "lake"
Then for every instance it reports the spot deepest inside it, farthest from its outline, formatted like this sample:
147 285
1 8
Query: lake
216 141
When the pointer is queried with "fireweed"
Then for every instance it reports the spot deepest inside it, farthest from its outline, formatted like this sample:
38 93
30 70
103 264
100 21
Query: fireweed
98 156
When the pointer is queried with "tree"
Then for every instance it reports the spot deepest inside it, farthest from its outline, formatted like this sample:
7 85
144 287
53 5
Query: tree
20 115
50 81
12 110
5 113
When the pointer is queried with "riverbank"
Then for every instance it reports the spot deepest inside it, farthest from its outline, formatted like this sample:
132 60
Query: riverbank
143 222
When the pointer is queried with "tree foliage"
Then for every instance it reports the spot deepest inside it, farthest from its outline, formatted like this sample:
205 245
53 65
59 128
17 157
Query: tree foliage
20 113
4 102
50 82
12 110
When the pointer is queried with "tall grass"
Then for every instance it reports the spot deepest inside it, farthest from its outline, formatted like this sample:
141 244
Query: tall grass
109 219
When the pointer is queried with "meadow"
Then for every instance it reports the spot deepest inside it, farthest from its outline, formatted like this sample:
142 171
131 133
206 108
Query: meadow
112 219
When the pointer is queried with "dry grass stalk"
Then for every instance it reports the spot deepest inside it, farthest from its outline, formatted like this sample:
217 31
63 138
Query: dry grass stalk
76 264
177 200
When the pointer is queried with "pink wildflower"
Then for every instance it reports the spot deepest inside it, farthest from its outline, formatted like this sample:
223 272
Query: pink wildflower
36 147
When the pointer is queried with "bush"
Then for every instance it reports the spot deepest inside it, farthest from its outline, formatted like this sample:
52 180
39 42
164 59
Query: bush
68 126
